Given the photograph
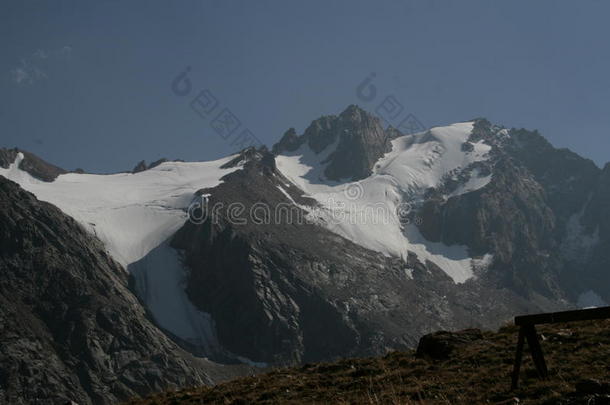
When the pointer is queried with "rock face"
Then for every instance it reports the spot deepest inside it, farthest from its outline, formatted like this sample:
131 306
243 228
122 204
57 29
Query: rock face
288 291
70 329
357 137
141 166
595 227
534 215
509 217
31 163
7 156
270 280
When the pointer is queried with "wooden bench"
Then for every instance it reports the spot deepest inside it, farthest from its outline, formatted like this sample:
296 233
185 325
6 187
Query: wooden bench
527 331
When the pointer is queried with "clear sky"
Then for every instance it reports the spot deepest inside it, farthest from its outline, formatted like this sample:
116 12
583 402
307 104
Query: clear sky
89 84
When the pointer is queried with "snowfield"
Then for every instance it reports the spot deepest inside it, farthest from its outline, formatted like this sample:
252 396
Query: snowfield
399 180
418 162
134 215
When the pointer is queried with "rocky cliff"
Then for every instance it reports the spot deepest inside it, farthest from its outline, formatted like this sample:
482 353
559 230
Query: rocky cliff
359 137
283 290
70 329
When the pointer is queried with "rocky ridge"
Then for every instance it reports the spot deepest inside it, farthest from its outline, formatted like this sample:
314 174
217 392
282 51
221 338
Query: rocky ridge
70 329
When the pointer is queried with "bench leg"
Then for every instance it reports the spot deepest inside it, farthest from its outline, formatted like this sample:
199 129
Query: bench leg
518 358
537 355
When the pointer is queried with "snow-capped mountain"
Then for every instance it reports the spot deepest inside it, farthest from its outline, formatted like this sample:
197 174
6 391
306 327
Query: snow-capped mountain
399 179
349 239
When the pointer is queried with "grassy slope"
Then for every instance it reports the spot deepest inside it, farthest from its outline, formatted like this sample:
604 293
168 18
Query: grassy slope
476 373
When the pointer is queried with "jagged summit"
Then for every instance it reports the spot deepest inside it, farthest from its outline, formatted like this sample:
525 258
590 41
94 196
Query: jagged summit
353 141
252 154
354 113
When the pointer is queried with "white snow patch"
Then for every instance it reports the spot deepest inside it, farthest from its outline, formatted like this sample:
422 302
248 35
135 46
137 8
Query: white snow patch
131 213
420 161
416 162
475 182
160 283
482 263
306 166
286 194
590 299
453 260
504 133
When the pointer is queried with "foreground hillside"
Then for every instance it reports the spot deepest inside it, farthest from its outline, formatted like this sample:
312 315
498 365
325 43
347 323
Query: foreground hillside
477 370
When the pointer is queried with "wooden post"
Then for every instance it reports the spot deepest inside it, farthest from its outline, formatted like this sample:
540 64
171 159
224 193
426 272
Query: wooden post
536 350
527 331
518 357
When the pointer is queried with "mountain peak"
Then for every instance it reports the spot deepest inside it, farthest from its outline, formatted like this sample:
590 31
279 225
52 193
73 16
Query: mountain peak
289 142
357 137
354 112
30 163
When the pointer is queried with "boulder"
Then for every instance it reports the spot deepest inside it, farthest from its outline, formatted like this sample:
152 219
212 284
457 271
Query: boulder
441 345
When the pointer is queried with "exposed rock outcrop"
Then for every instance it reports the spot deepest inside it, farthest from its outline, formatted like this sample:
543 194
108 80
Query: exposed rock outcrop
142 166
70 329
358 138
440 345
31 163
288 291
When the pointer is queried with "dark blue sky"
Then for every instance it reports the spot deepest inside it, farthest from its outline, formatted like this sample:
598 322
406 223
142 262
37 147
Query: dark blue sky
88 84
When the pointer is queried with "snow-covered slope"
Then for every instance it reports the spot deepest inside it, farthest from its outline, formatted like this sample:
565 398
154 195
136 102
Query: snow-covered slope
160 282
372 211
134 215
418 162
131 213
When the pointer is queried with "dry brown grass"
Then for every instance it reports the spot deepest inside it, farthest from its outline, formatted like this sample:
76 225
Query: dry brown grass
478 373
